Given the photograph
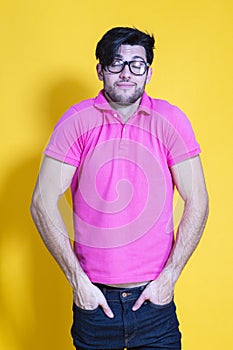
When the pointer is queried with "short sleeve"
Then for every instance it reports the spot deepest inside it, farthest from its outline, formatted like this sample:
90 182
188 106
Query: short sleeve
181 141
65 142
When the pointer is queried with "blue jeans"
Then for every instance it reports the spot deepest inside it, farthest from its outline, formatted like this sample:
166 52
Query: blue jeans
150 327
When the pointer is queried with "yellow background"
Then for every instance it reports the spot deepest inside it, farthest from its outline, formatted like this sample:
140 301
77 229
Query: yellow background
47 64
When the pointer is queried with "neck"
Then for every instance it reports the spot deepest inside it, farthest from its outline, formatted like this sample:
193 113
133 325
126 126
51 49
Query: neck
125 110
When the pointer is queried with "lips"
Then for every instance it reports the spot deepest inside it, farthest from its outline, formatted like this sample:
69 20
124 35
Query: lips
124 85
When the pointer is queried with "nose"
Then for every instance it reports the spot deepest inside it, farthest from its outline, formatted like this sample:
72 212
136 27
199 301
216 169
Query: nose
125 73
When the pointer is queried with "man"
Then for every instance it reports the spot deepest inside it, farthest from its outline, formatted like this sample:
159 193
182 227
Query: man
122 153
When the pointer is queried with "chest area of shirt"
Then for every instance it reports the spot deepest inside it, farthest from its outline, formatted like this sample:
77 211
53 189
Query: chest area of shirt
116 140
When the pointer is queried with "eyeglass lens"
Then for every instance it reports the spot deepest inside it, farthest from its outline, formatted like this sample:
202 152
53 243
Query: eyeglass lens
136 67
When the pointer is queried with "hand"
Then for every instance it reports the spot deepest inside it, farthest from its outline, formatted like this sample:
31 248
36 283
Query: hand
159 291
89 297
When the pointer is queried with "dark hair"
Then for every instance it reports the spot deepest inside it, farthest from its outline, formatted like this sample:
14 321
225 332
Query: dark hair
108 46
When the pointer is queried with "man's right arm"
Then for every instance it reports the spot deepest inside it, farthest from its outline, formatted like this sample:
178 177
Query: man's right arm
53 180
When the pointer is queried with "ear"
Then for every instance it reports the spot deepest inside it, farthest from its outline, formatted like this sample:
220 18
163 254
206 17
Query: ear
149 74
99 71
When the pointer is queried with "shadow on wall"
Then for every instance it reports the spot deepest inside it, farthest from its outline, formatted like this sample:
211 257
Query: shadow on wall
35 299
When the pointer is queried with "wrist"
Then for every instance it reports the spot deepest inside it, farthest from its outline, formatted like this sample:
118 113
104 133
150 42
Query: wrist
169 274
79 279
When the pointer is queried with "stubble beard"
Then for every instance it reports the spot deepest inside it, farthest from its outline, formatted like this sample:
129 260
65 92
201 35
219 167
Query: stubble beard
122 98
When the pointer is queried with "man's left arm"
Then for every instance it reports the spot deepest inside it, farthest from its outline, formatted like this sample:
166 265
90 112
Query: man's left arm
189 180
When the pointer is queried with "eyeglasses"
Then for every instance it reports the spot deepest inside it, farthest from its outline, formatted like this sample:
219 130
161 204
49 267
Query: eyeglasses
135 67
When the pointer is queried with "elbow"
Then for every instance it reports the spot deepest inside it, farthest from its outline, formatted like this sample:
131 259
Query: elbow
204 202
202 206
36 204
199 202
33 210
203 210
207 203
42 204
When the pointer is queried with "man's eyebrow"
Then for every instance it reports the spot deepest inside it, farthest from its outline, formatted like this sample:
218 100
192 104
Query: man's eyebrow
117 55
133 58
140 57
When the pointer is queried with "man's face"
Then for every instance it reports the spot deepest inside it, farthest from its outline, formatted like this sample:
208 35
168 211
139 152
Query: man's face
125 88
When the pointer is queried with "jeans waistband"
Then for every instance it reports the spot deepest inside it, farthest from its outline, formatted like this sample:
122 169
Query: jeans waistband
117 293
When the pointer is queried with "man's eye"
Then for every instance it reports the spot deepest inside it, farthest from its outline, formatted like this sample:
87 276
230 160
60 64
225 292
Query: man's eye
116 63
138 64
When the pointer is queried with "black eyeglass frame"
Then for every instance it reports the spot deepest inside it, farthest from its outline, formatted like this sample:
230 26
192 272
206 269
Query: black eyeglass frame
128 63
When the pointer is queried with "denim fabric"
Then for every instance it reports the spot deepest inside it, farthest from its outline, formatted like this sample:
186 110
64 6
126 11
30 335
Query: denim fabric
150 327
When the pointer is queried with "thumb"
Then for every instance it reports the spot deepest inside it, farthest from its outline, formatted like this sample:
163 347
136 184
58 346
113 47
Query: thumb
139 302
107 309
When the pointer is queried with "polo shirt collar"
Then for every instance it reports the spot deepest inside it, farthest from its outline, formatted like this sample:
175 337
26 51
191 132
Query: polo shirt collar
100 102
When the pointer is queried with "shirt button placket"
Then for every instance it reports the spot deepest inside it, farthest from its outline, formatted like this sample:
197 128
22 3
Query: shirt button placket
123 130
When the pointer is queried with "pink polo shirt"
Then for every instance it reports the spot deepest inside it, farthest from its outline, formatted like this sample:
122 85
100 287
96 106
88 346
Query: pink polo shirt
122 190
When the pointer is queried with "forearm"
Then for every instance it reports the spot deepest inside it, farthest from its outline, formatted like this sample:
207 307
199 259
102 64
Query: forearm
189 233
189 180
52 229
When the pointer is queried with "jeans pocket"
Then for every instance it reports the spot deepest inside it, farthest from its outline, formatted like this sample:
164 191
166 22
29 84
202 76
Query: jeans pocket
158 306
85 311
